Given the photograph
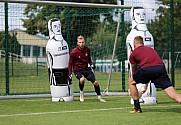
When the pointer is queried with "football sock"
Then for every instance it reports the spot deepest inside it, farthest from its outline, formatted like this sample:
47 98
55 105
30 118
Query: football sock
97 89
137 104
81 86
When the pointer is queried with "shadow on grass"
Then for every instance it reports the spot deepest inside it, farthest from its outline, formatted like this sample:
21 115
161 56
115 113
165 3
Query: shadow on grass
163 109
166 106
166 102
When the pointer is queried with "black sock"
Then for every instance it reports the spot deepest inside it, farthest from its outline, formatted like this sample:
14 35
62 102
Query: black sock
137 104
97 90
81 86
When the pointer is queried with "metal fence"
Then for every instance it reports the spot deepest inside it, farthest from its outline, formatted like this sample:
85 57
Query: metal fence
24 34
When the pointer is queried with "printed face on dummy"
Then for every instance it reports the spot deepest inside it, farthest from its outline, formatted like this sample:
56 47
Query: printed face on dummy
139 16
56 27
81 43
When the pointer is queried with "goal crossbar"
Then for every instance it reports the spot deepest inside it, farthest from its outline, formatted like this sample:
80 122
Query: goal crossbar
75 4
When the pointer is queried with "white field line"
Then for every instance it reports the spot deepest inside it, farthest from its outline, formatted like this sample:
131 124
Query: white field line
78 111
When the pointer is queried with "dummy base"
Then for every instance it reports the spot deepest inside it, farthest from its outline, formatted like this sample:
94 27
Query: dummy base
146 100
63 99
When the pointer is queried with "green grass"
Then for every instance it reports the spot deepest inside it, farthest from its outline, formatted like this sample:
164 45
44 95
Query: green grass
26 79
23 79
41 111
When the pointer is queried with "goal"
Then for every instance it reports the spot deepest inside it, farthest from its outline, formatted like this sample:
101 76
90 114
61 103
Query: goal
27 20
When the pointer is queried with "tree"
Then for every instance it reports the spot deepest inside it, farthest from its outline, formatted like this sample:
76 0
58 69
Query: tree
160 26
13 45
101 46
76 21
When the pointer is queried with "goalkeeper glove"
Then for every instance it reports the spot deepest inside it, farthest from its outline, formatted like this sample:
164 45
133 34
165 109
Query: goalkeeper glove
70 77
93 67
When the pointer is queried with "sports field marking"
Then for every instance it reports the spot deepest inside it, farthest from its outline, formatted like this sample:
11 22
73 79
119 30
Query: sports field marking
77 111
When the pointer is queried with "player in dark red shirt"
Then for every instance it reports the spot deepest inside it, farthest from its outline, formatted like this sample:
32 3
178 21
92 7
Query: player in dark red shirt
79 61
149 67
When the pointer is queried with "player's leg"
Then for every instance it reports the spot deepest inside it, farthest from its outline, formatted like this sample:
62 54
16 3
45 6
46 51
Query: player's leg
81 83
164 82
81 79
170 91
91 77
134 95
81 86
138 77
97 90
133 89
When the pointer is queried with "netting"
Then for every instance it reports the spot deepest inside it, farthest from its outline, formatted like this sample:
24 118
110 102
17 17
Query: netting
24 71
27 70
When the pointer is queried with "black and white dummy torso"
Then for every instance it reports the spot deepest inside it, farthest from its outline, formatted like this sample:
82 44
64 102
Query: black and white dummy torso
139 28
57 51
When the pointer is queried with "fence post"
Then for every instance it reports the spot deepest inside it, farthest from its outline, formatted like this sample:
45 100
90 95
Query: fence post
172 41
123 45
68 25
6 49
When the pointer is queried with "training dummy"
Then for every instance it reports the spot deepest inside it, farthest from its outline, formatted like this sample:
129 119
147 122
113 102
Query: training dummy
147 93
57 51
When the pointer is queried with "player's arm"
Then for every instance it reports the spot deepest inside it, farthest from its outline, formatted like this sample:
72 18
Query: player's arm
70 63
133 64
133 67
89 58
90 62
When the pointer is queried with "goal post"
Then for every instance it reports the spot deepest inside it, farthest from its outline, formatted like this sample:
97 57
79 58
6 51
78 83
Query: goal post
73 4
94 21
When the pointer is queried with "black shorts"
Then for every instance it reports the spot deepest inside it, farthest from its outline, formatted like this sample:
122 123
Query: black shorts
87 73
157 75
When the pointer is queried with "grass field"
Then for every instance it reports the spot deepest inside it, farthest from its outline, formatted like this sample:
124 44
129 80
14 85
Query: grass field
41 111
30 79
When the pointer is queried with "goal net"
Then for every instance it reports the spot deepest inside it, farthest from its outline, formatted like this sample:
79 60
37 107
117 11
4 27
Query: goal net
26 73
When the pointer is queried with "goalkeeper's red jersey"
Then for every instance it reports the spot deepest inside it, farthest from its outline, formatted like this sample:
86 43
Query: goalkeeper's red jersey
79 59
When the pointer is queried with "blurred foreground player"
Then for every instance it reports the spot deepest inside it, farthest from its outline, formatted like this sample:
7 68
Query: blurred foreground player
150 67
79 60
57 52
147 94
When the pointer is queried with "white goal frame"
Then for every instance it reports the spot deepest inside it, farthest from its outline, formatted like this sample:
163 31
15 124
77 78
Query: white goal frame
75 4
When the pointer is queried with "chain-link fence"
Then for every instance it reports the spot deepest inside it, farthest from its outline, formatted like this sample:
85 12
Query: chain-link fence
24 35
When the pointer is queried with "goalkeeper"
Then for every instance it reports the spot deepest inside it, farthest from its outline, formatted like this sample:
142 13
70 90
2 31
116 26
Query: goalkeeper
79 60
150 67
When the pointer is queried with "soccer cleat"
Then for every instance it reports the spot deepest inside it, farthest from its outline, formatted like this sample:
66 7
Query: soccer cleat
81 96
136 111
101 99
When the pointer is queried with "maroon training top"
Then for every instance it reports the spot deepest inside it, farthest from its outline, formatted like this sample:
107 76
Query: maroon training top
79 59
145 56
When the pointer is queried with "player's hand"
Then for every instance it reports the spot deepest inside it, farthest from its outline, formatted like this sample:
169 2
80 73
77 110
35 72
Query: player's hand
93 67
70 77
144 88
